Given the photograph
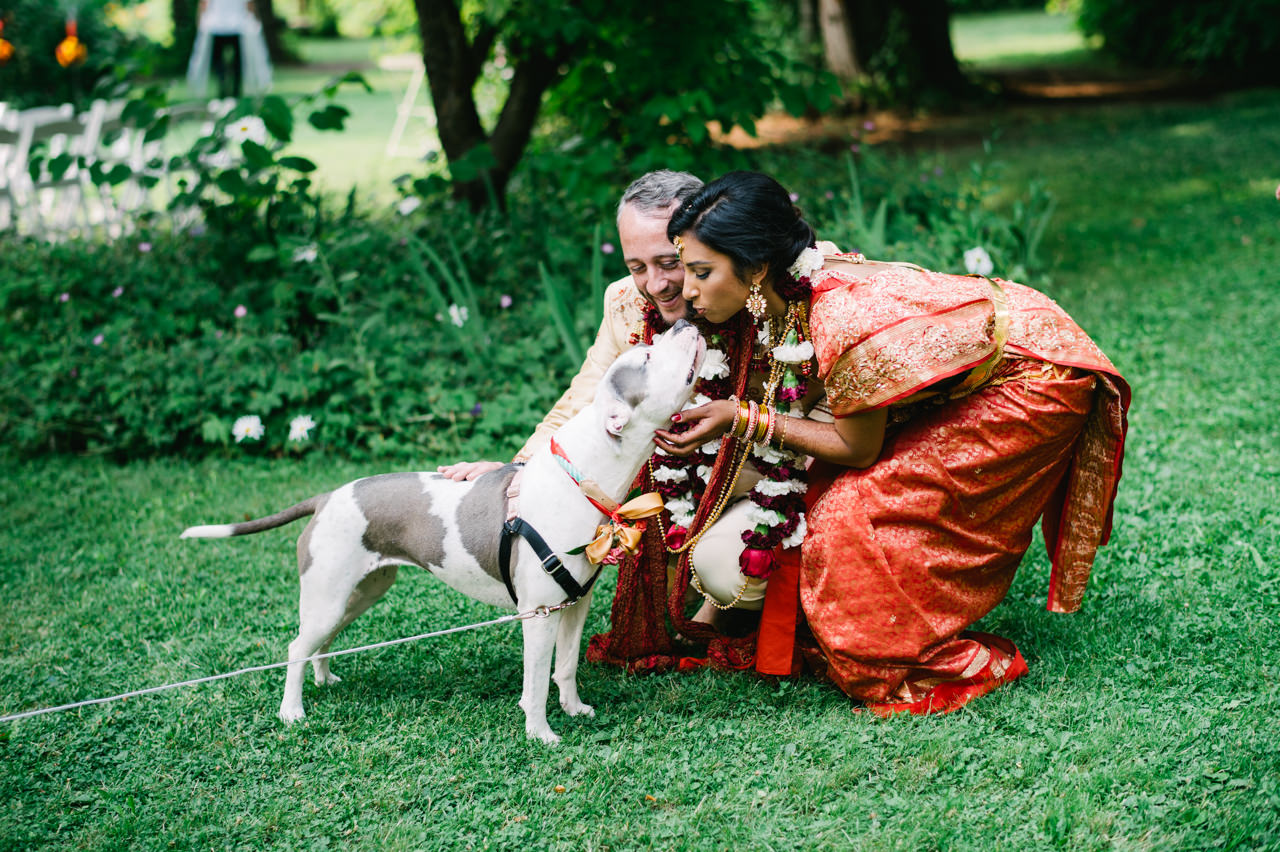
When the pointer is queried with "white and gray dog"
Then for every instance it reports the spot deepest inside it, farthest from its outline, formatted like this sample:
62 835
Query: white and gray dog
363 531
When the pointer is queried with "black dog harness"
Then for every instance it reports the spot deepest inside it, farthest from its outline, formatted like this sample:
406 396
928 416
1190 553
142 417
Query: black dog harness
550 562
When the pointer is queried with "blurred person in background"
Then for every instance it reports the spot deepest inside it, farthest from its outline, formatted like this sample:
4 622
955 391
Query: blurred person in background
229 39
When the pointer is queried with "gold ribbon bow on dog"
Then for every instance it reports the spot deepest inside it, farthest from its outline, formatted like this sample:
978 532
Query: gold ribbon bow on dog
619 529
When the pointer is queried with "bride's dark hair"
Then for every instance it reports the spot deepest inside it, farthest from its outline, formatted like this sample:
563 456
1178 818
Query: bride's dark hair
748 217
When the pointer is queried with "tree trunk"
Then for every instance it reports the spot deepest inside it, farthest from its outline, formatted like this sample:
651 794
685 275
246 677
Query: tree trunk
929 25
837 42
868 23
272 32
184 26
452 65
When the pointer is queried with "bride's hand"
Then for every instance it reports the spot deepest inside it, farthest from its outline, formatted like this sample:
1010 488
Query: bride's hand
707 422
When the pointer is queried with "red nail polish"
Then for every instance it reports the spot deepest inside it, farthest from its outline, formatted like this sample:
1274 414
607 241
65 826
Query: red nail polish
675 418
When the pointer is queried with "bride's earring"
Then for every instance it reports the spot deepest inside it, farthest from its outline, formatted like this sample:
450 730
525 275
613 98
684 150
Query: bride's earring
756 305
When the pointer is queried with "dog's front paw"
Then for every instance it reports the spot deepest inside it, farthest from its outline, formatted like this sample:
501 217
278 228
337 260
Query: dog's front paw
542 732
327 678
289 715
578 708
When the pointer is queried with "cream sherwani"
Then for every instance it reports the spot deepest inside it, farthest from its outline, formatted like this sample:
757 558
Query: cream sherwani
620 329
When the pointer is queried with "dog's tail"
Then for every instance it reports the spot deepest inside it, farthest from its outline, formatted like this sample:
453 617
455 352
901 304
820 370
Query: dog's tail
279 519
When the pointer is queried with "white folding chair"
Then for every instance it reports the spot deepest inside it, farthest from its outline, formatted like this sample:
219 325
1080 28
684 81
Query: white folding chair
409 108
35 127
8 166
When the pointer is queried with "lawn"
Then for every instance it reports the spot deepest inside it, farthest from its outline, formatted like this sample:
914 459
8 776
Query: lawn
1147 722
1004 40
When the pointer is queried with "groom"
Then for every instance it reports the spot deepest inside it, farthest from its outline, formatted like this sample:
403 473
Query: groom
656 279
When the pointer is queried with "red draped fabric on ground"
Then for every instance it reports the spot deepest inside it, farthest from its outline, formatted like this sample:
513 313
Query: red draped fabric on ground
903 556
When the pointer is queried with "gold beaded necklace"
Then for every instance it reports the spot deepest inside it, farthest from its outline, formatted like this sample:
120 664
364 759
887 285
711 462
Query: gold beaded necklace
796 320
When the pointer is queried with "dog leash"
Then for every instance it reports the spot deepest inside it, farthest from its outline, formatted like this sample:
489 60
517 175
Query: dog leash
537 612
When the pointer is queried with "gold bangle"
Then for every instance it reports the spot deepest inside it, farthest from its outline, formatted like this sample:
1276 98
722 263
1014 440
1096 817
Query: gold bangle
753 420
737 414
739 419
773 420
764 426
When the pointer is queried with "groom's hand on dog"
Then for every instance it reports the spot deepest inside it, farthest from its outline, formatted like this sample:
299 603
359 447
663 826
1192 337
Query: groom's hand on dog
467 471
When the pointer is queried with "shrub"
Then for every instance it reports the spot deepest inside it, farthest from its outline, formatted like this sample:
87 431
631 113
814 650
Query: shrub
33 77
422 331
1238 38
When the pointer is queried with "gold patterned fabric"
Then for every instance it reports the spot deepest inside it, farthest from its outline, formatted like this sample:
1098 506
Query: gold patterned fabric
884 333
1003 412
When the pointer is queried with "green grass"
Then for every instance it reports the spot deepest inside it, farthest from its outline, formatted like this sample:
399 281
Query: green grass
987 40
1147 722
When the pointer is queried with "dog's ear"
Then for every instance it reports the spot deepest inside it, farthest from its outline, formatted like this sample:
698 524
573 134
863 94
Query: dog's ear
617 414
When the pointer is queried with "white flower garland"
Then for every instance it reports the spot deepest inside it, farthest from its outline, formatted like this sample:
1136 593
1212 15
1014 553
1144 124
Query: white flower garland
682 509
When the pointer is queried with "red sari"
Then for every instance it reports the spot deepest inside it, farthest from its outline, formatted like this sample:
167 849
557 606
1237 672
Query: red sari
1004 411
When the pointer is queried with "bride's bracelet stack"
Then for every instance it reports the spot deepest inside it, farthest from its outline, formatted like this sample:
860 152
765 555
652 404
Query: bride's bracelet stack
756 423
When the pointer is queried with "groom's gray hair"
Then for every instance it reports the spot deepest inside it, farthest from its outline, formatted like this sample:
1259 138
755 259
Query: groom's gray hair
655 192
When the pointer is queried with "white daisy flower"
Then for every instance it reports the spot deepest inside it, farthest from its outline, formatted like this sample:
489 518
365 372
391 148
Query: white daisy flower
300 427
305 254
408 205
248 426
795 539
250 127
458 315
714 366
977 261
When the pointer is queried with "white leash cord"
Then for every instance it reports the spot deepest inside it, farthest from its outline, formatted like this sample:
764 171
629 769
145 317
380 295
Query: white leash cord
540 612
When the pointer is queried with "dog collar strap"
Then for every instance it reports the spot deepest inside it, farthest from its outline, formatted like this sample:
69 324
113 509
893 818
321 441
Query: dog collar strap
550 562
589 488
621 529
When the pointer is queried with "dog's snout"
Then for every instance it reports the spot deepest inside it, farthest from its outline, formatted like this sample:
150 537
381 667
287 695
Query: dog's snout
681 324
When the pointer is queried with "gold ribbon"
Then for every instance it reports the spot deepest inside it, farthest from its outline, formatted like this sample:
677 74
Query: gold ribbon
1000 335
620 525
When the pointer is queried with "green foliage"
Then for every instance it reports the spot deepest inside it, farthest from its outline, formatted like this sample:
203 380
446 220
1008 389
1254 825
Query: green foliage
620 84
928 213
961 7
389 329
1237 38
1147 721
276 304
612 101
33 76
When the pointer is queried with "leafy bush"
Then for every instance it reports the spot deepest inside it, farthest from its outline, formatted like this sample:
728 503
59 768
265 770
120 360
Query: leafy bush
425 330
1238 38
33 77
961 7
